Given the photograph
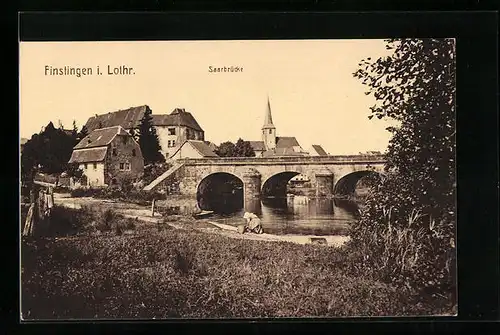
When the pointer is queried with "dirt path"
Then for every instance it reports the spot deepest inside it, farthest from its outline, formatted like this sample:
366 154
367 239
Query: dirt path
143 213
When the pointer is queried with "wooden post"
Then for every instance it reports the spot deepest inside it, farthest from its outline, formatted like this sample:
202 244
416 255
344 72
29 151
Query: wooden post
153 208
32 217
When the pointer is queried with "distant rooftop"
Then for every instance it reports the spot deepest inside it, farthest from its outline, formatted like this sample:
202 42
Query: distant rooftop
131 118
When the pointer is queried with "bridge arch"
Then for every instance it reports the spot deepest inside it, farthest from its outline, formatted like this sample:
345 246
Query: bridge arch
276 185
346 185
221 192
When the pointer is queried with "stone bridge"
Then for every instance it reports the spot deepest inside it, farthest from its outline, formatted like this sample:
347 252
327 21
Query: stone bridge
330 175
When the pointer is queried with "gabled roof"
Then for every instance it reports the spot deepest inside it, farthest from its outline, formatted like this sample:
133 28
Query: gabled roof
319 150
203 148
286 142
200 146
179 117
100 137
127 118
257 145
88 155
211 145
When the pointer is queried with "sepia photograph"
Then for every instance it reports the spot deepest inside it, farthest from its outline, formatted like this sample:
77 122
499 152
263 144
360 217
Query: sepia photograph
237 179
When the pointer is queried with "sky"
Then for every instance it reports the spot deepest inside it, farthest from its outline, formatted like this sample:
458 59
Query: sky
312 92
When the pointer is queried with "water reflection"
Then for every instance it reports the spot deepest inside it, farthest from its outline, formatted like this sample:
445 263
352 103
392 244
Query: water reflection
298 215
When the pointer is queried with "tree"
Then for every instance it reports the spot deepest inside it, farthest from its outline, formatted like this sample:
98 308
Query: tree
240 149
50 150
148 140
415 86
74 132
83 133
226 149
134 134
243 149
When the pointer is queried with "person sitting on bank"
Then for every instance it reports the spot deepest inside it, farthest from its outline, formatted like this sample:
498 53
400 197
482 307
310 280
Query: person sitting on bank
254 224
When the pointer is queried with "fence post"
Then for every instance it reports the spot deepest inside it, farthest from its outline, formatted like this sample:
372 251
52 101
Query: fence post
153 208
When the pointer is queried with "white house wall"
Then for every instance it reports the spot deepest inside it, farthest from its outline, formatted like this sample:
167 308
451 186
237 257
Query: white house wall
187 151
95 176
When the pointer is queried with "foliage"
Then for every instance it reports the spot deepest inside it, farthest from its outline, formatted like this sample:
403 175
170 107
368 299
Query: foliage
74 171
50 149
153 171
117 193
239 149
243 149
406 232
226 149
82 134
148 140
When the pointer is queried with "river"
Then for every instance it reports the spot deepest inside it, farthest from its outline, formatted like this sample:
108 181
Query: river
297 215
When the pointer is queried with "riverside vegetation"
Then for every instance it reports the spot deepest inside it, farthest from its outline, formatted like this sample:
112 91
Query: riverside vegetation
87 264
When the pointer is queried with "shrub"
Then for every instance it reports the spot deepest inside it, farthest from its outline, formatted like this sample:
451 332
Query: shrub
130 224
412 251
184 260
107 218
153 171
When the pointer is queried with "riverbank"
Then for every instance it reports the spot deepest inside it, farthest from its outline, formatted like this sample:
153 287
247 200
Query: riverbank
113 266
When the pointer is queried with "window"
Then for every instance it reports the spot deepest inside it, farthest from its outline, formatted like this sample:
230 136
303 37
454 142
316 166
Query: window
270 131
95 166
122 166
171 143
85 166
124 139
114 151
171 131
133 152
127 166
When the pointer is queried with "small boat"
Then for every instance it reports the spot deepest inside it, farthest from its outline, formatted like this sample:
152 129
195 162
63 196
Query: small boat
202 214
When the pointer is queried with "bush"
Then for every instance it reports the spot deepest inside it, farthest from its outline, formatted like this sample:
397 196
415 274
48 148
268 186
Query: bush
153 171
65 221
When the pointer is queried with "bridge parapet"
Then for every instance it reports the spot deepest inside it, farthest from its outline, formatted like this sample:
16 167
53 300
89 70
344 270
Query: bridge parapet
343 159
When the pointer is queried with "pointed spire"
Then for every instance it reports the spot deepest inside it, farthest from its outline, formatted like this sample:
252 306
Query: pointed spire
268 121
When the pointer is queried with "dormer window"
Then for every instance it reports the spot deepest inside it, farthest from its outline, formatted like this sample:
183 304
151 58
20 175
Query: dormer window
171 131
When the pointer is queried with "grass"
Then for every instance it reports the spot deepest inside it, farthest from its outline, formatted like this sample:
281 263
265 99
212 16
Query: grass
167 272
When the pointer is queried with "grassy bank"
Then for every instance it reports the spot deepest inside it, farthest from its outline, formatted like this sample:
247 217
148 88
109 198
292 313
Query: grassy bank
164 272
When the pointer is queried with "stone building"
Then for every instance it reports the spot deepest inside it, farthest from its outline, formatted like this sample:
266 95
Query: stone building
173 129
108 156
272 145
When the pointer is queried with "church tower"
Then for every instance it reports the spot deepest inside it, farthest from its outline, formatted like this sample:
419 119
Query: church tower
268 129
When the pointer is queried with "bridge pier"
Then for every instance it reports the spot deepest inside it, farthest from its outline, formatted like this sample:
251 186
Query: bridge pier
324 183
251 185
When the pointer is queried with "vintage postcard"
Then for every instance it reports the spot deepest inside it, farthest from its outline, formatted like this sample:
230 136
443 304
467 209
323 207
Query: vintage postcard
237 179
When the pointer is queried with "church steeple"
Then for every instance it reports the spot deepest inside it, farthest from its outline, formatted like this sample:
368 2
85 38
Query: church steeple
268 129
268 121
